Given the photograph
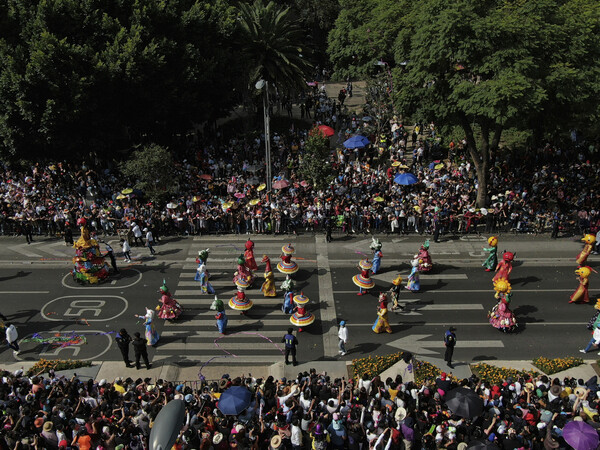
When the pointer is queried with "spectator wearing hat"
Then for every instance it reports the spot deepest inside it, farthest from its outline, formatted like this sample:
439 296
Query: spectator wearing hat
337 432
49 435
343 337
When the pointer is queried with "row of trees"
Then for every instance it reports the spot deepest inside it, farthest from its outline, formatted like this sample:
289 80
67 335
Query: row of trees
484 67
106 75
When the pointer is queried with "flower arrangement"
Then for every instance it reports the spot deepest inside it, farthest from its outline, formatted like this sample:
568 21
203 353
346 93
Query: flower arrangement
554 365
45 365
424 371
374 365
495 374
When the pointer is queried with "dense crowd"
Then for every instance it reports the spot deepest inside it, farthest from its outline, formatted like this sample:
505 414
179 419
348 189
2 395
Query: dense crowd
312 411
548 190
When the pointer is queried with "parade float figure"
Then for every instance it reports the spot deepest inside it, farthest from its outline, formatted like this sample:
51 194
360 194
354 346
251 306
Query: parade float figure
377 255
203 276
151 334
363 279
589 240
581 293
425 263
169 309
268 287
89 266
414 283
381 323
501 317
220 316
243 273
249 256
301 317
240 302
395 293
492 260
286 265
504 267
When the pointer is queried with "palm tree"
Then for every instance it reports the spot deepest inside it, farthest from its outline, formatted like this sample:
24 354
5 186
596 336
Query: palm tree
271 41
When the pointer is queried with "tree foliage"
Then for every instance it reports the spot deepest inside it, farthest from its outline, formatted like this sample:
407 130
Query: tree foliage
152 168
315 166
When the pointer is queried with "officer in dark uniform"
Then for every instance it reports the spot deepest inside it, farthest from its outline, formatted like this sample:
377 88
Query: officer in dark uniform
290 346
449 342
123 339
140 350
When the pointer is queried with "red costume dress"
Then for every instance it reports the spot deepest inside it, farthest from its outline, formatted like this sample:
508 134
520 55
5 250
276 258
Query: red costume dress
504 267
249 255
169 309
363 280
286 265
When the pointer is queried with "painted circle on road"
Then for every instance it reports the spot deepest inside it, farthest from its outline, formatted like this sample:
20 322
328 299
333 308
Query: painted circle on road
90 308
65 350
104 285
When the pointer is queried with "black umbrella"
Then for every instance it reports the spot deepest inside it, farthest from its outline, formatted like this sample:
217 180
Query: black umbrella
464 402
482 445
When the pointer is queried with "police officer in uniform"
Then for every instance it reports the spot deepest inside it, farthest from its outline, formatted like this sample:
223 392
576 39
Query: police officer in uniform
290 346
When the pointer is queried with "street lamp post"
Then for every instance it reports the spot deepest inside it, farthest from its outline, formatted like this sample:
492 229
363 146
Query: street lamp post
260 84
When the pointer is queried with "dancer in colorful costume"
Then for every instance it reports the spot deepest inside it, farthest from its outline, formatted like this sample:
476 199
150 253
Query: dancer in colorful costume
240 302
152 335
381 323
377 255
425 263
202 274
414 283
395 293
504 267
581 293
220 316
249 256
301 317
288 297
243 273
594 326
589 240
286 265
363 279
88 263
268 287
492 260
501 317
170 308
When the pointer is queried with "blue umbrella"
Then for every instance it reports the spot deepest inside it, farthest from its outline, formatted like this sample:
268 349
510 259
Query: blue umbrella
367 119
405 179
356 142
234 400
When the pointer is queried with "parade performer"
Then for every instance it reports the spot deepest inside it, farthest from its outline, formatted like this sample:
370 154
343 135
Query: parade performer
249 255
220 316
170 308
492 260
301 317
286 265
504 267
152 335
243 273
501 317
381 323
589 240
581 293
268 287
88 263
202 276
288 302
377 255
425 263
240 302
288 284
395 293
414 283
363 279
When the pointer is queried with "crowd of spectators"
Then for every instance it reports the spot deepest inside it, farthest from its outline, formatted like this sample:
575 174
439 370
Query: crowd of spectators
311 411
552 189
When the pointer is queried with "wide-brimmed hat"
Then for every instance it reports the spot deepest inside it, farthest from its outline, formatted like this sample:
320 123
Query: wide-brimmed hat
365 264
555 390
223 383
217 438
276 441
529 387
48 426
400 414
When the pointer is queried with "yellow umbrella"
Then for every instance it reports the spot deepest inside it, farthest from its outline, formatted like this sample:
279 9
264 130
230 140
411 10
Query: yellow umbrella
438 166
227 205
253 202
396 163
195 199
403 166
261 187
127 191
378 199
120 197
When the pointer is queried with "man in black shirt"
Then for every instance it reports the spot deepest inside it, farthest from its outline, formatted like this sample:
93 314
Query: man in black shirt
123 339
290 346
139 348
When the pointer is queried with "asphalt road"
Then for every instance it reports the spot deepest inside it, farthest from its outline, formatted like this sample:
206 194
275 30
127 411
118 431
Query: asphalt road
39 296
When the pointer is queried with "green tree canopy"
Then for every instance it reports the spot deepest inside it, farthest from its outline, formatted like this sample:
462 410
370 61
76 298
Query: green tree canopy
315 165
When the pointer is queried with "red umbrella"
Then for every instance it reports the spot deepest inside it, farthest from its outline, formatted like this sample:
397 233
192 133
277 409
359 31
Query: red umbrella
239 195
303 184
280 184
205 176
327 131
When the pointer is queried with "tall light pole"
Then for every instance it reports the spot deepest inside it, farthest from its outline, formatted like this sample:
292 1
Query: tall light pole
260 84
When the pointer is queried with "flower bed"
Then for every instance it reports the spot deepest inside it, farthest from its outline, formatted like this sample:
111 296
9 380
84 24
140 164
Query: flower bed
495 374
424 371
374 365
554 365
45 365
